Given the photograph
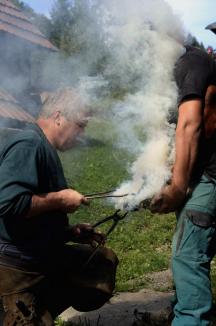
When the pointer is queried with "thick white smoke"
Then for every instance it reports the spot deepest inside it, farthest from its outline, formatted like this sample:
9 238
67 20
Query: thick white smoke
138 43
144 38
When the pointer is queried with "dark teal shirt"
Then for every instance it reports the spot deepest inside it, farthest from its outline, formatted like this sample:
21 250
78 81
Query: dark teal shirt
30 165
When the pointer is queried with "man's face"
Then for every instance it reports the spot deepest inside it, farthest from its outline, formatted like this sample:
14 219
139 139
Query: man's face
67 131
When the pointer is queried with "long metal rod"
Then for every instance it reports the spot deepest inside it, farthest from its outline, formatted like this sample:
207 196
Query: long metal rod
105 196
100 193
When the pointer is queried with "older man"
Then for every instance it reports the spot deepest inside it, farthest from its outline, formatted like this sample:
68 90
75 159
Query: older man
41 275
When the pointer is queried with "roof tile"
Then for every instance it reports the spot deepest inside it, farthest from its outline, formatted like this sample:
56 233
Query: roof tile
10 108
13 21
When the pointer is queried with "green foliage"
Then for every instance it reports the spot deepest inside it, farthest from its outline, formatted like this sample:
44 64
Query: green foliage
61 23
74 31
22 5
194 42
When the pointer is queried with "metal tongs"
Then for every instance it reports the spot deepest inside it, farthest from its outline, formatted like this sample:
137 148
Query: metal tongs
116 217
105 194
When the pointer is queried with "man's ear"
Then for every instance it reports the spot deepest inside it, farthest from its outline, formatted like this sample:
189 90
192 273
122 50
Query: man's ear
57 117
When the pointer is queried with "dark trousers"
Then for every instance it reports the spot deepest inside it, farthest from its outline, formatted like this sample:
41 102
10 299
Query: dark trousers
36 294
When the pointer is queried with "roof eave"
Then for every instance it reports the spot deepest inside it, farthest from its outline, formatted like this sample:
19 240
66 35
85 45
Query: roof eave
30 38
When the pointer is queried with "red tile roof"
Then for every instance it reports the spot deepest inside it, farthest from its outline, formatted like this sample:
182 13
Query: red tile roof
10 108
13 21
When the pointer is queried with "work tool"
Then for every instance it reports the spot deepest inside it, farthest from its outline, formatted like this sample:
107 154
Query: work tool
105 194
116 217
100 193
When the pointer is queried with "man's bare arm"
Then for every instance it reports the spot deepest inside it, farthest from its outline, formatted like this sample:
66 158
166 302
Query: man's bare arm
187 143
66 201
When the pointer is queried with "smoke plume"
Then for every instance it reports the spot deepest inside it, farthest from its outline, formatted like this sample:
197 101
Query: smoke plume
144 38
138 43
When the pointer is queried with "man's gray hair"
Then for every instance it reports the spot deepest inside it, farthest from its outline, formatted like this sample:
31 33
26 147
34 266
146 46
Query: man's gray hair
66 100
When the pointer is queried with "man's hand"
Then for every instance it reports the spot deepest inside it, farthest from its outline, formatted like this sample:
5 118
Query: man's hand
66 200
70 200
86 234
169 199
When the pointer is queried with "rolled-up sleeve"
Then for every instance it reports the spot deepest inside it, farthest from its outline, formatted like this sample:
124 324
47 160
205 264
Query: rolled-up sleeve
19 179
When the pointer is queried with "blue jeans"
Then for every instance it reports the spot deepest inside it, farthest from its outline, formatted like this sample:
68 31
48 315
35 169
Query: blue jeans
194 246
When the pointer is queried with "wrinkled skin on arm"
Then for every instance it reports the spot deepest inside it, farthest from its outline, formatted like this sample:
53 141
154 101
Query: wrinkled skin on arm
188 134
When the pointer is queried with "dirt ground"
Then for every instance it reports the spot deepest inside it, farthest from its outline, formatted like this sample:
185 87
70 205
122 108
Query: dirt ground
145 307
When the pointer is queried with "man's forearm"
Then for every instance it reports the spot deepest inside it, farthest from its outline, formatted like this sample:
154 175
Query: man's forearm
187 144
66 200
186 154
188 133
44 203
